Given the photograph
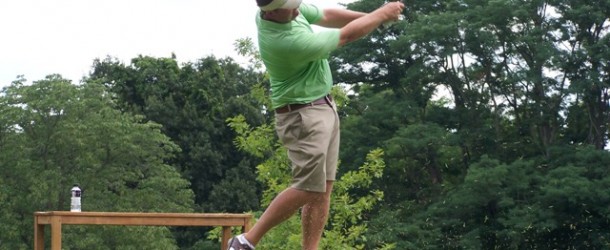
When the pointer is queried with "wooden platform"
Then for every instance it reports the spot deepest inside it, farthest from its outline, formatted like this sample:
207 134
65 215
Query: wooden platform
58 218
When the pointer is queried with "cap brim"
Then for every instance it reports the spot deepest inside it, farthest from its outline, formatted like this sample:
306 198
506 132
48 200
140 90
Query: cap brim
281 4
291 4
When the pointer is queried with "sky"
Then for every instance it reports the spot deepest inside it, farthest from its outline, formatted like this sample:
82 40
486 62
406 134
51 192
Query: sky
42 37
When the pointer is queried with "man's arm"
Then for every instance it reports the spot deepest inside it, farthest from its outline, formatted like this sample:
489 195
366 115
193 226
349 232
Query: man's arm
365 24
338 18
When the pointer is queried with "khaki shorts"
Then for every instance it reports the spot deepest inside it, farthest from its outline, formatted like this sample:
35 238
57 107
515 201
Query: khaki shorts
311 135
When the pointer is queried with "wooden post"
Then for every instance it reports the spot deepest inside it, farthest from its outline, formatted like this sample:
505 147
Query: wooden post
226 235
56 232
38 235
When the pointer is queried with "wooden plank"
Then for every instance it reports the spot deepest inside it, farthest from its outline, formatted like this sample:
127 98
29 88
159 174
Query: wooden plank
57 218
145 219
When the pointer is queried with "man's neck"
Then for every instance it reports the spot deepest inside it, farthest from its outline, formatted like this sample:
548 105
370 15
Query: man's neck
267 16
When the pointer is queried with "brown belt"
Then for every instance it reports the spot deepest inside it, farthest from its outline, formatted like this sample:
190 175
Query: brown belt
290 107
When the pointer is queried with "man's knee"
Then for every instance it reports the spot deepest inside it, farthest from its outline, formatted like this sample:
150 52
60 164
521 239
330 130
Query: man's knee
317 198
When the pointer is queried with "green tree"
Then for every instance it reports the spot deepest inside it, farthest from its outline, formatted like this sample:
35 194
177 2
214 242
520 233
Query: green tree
346 226
522 205
192 101
517 80
55 134
584 60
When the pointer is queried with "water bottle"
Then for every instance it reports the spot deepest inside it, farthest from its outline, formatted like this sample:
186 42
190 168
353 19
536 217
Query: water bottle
75 201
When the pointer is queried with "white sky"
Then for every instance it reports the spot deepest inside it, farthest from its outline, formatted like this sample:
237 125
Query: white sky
42 37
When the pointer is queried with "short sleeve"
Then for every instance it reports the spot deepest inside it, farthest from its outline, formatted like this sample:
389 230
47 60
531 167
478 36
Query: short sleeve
312 13
315 46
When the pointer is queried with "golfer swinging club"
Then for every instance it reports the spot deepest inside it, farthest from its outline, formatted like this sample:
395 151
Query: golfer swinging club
306 116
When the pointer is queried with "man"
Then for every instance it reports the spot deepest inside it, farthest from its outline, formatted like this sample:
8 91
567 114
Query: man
306 118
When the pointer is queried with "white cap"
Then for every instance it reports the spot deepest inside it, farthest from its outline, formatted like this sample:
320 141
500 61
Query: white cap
281 4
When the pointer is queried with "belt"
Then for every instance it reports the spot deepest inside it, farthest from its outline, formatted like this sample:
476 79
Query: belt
327 99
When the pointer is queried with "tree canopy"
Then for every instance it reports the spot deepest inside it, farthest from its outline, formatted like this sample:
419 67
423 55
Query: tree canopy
467 125
56 134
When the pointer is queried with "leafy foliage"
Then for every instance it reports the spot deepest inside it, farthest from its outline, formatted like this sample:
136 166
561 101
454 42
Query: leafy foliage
492 117
57 134
192 102
473 103
346 226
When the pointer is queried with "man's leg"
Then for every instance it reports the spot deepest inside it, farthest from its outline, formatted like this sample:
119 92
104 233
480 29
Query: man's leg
313 150
281 208
313 218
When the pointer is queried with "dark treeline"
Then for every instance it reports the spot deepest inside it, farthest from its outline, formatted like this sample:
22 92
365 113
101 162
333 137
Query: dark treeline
494 118
469 125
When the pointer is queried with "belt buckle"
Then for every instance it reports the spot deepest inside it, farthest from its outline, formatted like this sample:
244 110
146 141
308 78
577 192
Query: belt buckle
291 107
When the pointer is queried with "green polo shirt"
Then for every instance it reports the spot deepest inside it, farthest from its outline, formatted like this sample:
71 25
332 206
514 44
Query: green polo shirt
296 57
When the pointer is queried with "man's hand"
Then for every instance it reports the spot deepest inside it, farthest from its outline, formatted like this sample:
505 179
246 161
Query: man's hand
392 10
364 25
